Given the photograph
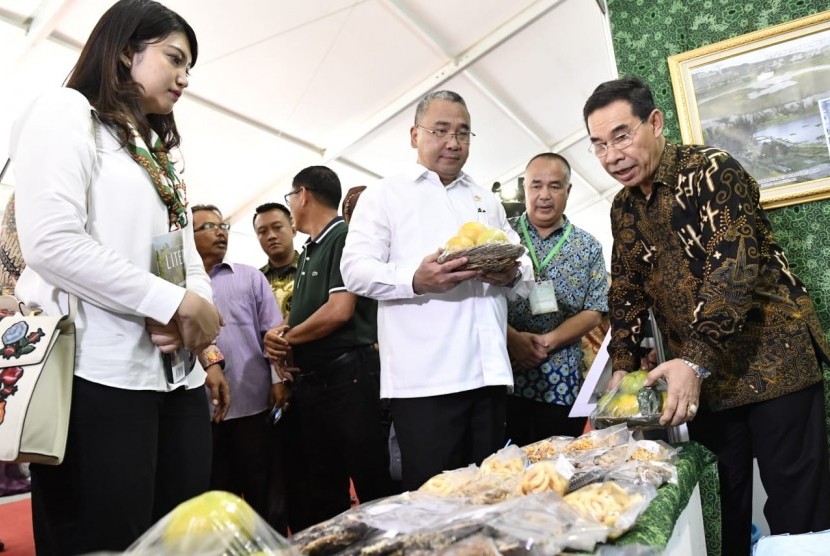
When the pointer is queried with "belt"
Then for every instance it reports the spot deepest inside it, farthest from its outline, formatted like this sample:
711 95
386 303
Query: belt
342 361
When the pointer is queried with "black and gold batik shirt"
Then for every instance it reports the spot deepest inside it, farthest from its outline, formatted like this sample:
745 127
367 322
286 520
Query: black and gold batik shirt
701 252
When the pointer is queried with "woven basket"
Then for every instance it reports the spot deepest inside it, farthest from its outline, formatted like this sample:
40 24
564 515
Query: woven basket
490 257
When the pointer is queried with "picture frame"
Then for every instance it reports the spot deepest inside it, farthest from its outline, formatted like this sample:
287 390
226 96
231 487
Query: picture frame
765 98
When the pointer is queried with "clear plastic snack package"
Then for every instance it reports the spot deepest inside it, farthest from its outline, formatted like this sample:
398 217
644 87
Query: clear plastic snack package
409 511
547 448
492 488
631 403
214 523
656 473
616 435
542 523
651 450
616 504
449 483
546 475
334 535
510 459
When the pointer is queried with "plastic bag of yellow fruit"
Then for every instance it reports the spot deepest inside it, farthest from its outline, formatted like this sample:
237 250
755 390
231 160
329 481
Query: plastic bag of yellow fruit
214 523
632 403
488 249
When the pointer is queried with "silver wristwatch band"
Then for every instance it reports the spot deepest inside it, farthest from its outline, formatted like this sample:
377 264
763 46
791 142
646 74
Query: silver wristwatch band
701 372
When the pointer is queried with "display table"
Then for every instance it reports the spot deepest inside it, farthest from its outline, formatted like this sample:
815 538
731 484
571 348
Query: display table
664 520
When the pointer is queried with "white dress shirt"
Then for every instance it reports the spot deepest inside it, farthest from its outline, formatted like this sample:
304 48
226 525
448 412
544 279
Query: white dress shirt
437 343
86 216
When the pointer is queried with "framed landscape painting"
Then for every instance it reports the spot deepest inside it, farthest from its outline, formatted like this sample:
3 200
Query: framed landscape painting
765 98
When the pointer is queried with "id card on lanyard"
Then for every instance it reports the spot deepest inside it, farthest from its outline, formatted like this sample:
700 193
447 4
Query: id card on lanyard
543 296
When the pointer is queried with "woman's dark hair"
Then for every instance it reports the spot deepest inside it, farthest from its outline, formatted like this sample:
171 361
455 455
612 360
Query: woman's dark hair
99 75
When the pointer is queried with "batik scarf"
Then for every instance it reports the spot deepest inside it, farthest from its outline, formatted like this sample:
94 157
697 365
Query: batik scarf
168 185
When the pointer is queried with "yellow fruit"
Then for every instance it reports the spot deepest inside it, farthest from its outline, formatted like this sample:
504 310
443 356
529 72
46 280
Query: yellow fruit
664 395
209 520
633 382
457 243
623 405
472 231
492 235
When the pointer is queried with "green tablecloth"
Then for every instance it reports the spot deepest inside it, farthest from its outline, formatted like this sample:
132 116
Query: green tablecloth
695 465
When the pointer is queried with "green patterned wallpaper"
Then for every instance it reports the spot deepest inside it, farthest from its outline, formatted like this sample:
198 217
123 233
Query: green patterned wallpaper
646 32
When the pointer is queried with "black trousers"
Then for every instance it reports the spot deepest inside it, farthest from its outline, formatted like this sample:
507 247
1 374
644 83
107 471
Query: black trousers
240 459
131 457
288 483
788 437
342 437
529 421
438 433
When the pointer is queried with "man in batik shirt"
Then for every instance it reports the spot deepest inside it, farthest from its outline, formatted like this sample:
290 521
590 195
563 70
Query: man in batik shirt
692 242
275 232
544 342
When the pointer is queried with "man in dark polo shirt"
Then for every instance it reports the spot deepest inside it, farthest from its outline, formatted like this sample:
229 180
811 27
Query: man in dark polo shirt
327 349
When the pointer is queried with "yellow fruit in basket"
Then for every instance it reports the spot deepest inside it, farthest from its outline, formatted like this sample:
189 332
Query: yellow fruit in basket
633 382
623 405
457 243
492 235
472 231
208 520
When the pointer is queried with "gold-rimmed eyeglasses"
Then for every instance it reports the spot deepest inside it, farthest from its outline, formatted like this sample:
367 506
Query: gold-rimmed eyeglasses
619 142
461 136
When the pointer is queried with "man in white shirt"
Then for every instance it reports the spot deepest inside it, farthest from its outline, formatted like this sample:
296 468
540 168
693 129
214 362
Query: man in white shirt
442 331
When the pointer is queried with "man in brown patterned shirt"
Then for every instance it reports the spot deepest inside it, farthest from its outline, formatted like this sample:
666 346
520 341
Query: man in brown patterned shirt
692 242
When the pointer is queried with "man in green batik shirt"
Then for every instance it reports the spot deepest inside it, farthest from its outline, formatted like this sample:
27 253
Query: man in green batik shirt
692 242
275 232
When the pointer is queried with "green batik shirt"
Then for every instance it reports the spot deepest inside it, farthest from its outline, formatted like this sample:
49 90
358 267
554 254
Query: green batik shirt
282 283
701 252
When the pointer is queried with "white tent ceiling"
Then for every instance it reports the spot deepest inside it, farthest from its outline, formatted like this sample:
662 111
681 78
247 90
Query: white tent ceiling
283 84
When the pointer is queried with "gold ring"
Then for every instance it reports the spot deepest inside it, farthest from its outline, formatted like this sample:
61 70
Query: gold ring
692 408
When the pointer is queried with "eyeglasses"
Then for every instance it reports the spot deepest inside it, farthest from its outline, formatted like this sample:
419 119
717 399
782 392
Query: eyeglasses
224 226
288 195
619 142
461 136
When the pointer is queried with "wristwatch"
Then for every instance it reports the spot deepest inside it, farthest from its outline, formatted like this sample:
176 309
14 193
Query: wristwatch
701 372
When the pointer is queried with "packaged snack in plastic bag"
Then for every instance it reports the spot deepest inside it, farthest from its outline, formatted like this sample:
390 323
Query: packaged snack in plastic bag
334 535
409 511
631 403
540 524
651 450
510 459
492 488
656 473
449 483
545 476
605 438
546 449
213 523
615 504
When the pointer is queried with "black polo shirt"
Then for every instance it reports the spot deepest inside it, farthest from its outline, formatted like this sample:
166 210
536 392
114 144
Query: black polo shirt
318 276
